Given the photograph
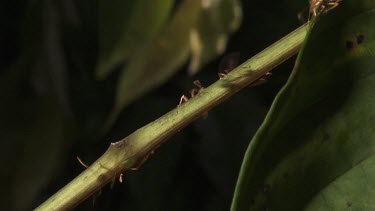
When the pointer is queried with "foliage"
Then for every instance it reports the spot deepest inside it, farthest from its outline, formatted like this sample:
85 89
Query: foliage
315 150
53 103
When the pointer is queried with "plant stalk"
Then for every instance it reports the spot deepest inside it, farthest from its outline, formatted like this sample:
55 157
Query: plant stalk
133 150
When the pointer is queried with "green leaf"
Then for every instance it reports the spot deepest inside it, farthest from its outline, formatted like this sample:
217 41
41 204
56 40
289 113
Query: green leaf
125 26
155 63
316 147
209 37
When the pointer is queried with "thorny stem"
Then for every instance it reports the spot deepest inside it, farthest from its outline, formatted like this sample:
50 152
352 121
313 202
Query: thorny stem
133 150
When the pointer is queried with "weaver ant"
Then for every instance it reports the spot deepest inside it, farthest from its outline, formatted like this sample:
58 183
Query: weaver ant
319 6
193 92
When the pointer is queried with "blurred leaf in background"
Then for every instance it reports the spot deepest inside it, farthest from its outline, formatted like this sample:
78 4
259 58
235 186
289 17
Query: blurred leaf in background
206 23
155 63
124 27
208 39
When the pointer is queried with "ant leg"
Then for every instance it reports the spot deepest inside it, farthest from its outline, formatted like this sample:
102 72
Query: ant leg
332 5
198 84
193 92
322 8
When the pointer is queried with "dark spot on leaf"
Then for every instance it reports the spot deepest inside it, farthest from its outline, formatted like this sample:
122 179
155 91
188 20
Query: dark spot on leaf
348 204
252 202
360 38
266 188
349 45
285 176
326 137
302 158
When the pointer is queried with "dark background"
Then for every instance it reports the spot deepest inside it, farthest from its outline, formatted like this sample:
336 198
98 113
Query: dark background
51 106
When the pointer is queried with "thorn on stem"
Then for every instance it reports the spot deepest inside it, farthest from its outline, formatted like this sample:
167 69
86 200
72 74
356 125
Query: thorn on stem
120 178
81 162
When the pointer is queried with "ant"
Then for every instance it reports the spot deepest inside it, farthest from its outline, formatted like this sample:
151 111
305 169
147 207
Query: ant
193 92
316 7
200 89
319 6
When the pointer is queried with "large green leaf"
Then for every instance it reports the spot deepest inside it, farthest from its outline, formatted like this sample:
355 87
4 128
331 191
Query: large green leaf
124 26
316 147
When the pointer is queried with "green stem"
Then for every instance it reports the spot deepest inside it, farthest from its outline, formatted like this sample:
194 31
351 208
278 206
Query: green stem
134 149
